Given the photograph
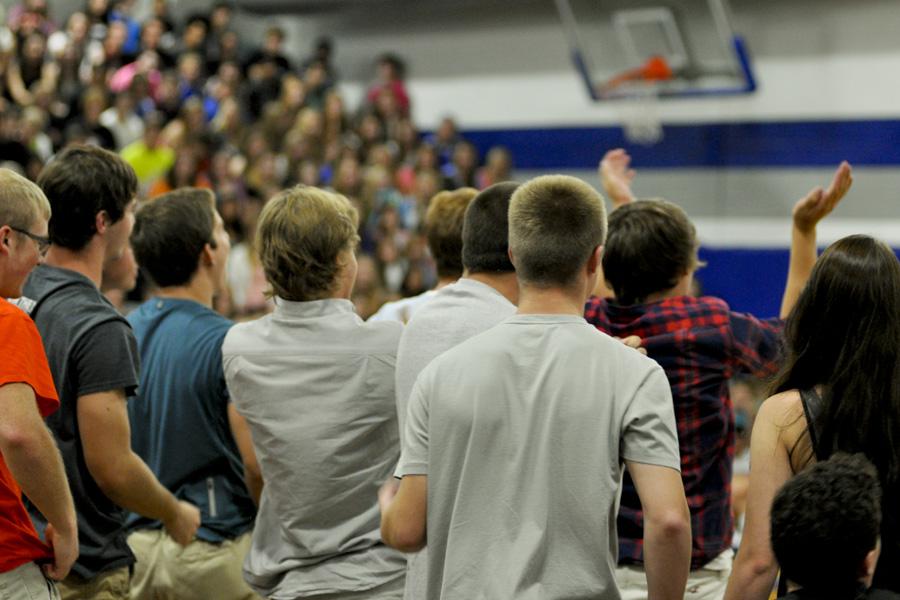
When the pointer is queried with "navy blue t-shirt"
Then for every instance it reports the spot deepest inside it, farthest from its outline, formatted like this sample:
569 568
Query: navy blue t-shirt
179 420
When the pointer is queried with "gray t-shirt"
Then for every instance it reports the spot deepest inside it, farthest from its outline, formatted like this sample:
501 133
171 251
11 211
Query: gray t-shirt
454 314
522 432
316 386
91 349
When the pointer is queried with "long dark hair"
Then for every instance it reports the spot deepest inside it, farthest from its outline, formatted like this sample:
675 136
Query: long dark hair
844 335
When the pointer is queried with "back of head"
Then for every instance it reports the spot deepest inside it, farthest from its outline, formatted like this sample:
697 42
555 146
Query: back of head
555 223
842 334
486 230
301 234
81 182
651 245
22 202
825 521
170 233
444 229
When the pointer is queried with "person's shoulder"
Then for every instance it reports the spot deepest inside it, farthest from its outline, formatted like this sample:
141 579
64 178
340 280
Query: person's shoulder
14 320
783 409
695 305
241 337
873 594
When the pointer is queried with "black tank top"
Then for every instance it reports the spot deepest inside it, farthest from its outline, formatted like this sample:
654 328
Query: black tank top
887 574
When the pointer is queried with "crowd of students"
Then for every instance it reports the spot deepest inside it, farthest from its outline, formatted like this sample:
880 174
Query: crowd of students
193 104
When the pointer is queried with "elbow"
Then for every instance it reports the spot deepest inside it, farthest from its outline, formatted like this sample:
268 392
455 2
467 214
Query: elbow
108 475
671 524
404 539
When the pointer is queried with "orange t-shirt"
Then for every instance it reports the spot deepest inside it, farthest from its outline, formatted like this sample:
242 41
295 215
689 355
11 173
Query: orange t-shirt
22 360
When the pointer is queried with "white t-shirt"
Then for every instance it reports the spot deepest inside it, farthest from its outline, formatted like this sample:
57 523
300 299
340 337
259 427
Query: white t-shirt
402 310
523 431
452 315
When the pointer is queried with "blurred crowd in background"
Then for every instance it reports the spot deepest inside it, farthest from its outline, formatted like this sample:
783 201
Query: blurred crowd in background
189 102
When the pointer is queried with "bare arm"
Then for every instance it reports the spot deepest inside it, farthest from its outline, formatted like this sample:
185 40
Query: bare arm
807 213
16 86
35 464
667 529
240 431
403 513
616 177
755 567
120 473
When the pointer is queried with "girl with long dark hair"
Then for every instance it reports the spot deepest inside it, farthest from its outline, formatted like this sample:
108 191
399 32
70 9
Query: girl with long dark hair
839 390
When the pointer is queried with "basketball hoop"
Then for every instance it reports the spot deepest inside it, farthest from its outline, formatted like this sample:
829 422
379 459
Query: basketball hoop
637 94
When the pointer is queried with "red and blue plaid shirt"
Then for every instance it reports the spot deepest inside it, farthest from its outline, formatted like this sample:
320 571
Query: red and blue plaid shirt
701 344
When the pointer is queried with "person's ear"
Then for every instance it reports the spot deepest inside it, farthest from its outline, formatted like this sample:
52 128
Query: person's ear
208 255
102 221
512 258
593 263
4 239
867 569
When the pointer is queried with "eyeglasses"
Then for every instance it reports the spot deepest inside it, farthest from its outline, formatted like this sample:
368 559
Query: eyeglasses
43 243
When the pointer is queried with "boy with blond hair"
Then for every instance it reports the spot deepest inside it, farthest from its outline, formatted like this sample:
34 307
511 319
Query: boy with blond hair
30 463
316 386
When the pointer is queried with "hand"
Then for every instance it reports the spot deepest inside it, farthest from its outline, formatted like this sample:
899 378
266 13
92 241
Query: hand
65 551
616 177
633 341
818 203
386 493
184 523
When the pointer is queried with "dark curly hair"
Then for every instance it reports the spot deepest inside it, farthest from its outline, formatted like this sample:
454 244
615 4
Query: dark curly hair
825 520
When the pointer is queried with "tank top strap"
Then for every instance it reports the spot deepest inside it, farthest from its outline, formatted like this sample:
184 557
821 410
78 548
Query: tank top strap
812 409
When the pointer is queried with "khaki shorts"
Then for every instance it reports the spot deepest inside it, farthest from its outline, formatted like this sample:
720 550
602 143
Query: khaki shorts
706 583
109 585
199 571
26 582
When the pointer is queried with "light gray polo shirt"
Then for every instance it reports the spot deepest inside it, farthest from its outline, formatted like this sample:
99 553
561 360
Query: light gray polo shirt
454 314
522 432
316 386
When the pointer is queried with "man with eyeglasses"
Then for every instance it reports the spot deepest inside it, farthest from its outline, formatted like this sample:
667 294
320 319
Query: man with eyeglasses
29 460
94 360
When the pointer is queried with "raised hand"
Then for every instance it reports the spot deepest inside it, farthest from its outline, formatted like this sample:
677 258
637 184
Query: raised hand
616 177
818 203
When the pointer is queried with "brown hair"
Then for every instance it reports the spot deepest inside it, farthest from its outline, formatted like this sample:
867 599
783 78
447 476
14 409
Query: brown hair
444 227
170 233
555 223
301 234
651 245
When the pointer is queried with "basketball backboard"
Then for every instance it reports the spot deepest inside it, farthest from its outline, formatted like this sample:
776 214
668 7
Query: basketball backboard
674 47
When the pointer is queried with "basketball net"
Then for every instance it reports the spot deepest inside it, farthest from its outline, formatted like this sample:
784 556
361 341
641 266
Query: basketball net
636 94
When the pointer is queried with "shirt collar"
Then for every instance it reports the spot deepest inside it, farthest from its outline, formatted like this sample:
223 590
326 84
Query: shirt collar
313 308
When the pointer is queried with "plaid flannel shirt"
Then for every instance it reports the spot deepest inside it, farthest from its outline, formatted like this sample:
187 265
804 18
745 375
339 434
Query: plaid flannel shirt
701 344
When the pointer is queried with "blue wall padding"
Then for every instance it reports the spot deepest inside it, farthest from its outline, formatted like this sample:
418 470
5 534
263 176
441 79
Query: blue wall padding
709 145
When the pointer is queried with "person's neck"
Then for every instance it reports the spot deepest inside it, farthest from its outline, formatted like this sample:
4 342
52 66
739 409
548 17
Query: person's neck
505 283
199 289
88 261
445 281
550 301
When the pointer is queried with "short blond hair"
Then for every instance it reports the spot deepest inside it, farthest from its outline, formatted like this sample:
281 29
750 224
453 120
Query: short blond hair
301 233
22 202
555 223
443 229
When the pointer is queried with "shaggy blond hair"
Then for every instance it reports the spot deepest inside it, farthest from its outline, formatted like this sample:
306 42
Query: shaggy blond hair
555 223
22 202
301 233
443 229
